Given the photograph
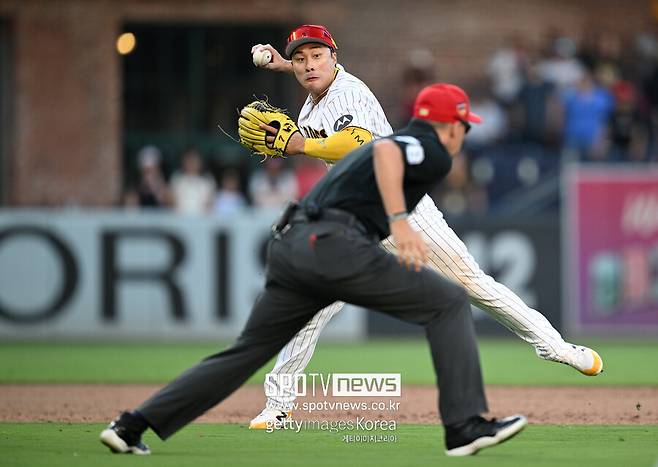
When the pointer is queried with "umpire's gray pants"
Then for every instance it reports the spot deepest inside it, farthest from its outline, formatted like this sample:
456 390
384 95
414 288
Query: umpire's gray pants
312 266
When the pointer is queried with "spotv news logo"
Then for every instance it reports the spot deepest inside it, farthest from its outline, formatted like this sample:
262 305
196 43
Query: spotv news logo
333 384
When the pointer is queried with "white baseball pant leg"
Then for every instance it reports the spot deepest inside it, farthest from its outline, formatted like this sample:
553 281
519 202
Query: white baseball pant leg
294 357
451 258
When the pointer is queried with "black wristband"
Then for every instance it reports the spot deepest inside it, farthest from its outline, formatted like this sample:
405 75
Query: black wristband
398 216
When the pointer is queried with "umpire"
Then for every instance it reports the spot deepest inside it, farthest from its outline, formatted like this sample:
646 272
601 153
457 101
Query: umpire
326 249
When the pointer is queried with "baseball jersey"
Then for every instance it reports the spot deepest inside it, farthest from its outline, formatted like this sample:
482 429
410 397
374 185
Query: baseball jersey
348 102
352 187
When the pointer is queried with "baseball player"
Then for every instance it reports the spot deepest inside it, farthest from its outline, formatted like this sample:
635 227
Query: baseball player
327 249
340 114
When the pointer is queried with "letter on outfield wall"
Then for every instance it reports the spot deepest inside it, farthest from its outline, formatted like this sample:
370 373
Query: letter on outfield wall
69 275
112 275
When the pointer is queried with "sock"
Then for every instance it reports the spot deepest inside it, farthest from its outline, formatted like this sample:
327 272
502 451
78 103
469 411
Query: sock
134 422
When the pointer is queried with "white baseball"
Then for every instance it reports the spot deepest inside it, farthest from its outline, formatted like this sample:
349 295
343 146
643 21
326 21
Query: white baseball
262 57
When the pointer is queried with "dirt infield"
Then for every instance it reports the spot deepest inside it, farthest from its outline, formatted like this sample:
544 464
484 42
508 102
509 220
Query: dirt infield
549 405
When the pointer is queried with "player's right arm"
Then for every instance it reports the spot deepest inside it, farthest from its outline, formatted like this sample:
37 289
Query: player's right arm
348 120
278 63
338 145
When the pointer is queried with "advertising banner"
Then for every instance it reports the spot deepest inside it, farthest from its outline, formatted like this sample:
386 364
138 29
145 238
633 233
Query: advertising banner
611 230
114 274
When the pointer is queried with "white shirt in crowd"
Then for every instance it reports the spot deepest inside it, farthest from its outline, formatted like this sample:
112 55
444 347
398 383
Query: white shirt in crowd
192 194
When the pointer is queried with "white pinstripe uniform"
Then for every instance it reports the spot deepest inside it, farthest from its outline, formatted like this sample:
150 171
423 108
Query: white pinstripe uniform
349 100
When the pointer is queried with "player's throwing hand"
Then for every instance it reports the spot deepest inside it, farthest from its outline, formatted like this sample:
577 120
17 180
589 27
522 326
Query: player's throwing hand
277 63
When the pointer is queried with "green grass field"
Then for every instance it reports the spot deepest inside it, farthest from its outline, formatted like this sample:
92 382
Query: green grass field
205 445
509 362
64 445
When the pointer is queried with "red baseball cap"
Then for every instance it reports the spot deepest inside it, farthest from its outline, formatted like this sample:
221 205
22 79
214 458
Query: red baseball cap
308 33
442 102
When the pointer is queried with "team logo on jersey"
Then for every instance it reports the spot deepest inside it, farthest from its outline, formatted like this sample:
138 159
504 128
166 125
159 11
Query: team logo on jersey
342 122
309 132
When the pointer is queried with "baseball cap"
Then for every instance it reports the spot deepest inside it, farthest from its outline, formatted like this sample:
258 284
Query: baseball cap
308 33
442 102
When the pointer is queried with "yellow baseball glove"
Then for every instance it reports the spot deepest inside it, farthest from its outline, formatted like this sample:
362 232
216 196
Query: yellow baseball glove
253 137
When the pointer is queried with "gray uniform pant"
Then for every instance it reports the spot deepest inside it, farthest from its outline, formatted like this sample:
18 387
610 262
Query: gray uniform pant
313 265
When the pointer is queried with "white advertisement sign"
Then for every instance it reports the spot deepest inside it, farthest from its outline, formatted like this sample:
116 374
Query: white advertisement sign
110 274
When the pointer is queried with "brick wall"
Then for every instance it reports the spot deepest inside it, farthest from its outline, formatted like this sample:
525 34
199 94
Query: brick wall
66 141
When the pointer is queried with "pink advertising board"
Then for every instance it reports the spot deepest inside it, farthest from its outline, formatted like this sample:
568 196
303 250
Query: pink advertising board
611 250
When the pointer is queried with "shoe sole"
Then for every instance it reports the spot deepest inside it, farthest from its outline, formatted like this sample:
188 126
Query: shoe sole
258 426
118 446
263 425
488 441
597 367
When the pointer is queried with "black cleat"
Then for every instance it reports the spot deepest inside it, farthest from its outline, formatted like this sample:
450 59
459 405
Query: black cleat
121 439
467 438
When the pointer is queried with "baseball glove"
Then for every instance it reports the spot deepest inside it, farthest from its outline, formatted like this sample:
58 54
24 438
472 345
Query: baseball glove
253 137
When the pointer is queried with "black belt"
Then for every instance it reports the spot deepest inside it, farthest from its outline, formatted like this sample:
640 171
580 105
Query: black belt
328 215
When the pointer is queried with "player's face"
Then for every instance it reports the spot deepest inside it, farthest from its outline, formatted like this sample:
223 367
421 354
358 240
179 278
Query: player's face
314 66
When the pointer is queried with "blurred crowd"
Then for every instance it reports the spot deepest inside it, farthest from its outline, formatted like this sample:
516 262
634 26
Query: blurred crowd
589 100
192 189
594 99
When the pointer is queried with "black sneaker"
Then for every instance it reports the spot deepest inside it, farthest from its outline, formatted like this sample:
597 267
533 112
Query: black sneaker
467 438
120 438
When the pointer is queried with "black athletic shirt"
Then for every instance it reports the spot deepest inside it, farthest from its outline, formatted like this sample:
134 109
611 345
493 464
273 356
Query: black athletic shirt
351 185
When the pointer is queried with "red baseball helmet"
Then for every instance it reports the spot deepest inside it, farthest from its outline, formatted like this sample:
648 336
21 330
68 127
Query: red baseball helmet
308 33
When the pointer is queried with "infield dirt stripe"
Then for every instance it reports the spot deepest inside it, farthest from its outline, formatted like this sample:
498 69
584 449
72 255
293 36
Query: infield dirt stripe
545 405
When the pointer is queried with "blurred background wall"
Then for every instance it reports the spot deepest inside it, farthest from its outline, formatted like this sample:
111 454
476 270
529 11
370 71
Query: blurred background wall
67 108
116 104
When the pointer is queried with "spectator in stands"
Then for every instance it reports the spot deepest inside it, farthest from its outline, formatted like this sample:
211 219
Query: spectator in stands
414 78
494 124
229 198
561 67
152 188
506 70
628 133
273 185
537 106
608 67
587 109
650 86
192 190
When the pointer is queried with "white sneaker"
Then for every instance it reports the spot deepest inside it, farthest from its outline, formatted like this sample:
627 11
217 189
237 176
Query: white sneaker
269 418
583 359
